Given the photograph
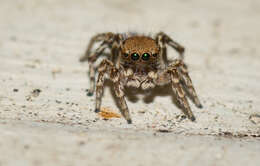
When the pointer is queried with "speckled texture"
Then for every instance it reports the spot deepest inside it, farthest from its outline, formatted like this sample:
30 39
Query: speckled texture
40 45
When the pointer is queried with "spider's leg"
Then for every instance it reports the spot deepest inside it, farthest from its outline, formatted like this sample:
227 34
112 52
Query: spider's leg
166 39
91 61
120 95
91 79
163 50
107 66
99 89
187 84
93 40
115 48
178 90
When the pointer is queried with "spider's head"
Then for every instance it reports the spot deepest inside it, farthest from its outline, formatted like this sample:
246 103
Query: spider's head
140 50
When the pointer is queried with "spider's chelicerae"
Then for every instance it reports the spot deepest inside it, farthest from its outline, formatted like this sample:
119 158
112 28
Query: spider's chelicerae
139 61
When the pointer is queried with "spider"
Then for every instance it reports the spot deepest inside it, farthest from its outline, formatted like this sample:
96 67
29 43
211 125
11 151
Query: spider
139 61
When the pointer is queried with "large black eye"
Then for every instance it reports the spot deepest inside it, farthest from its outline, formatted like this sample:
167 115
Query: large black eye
146 56
125 54
135 56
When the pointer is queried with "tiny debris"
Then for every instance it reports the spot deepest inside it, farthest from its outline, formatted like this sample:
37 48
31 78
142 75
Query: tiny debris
30 66
180 118
33 94
234 51
255 118
106 113
15 90
81 143
55 71
141 111
57 101
229 134
164 131
36 92
26 146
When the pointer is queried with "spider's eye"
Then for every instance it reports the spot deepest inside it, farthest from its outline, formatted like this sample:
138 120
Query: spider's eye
125 54
145 56
155 55
135 56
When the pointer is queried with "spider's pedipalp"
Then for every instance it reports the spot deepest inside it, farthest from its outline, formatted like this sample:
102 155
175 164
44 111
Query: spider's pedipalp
133 83
128 72
149 82
152 75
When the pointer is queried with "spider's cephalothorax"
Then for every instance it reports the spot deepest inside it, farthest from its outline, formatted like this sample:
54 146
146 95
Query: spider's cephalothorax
141 62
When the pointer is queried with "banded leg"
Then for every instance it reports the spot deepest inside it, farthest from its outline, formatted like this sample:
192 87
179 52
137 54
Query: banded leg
91 61
166 39
120 94
187 84
179 91
107 67
91 80
99 90
93 40
163 52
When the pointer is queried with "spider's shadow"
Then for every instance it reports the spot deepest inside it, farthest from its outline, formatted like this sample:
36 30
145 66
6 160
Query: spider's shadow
149 95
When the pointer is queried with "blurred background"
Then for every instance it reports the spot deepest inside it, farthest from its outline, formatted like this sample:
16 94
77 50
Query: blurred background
205 25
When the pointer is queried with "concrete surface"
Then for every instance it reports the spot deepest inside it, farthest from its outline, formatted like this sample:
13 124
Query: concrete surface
41 42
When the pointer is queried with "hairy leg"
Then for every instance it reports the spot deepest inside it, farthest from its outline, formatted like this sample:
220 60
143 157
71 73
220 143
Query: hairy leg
178 88
107 67
118 87
187 84
163 51
166 39
99 89
97 38
92 69
110 40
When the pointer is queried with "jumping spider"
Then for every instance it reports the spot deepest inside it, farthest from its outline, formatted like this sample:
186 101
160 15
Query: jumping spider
139 61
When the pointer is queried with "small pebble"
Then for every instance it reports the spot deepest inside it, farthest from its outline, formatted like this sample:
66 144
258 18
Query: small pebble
15 90
255 118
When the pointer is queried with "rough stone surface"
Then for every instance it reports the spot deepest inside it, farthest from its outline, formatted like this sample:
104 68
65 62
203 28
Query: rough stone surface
40 46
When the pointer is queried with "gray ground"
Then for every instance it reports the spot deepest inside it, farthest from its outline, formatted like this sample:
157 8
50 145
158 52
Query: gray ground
41 42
